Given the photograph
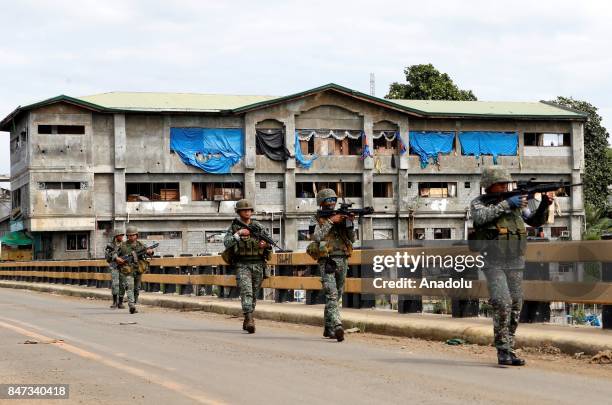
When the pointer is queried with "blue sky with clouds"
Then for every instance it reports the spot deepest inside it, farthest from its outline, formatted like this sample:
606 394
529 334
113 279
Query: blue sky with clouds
521 50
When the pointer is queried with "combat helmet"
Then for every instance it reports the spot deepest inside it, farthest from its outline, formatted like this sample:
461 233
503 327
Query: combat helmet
325 194
243 204
494 174
118 232
131 230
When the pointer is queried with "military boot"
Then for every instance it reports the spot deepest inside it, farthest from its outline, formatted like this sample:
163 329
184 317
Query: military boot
508 358
120 303
114 306
133 309
339 333
328 333
250 323
244 323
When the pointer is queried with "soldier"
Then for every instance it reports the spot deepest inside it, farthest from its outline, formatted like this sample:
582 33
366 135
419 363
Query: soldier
111 251
249 256
332 245
503 221
139 266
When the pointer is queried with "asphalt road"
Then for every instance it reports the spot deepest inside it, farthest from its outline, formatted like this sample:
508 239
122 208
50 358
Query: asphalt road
169 357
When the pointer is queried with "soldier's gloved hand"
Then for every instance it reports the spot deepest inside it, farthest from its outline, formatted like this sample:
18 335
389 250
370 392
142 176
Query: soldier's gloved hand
242 232
517 201
336 218
119 260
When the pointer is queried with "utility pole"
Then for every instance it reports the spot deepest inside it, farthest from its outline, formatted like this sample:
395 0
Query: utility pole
372 85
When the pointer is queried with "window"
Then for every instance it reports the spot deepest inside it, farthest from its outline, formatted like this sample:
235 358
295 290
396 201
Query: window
161 235
383 146
566 267
437 190
467 184
16 198
547 139
214 236
442 233
308 147
280 184
409 184
77 241
152 191
62 185
61 129
383 234
418 233
303 235
383 189
262 184
223 191
104 226
558 232
346 189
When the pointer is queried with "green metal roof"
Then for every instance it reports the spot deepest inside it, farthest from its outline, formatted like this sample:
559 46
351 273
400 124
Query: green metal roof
492 108
172 101
193 102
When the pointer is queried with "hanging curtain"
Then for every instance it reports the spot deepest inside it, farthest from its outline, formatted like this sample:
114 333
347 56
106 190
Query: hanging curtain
489 143
430 144
339 134
214 150
299 157
272 143
388 135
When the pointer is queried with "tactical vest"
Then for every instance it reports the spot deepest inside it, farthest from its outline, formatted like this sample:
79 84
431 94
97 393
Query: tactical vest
509 229
337 241
247 249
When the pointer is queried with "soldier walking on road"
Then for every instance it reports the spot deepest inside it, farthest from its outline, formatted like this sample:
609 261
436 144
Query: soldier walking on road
248 255
502 223
332 245
111 253
137 266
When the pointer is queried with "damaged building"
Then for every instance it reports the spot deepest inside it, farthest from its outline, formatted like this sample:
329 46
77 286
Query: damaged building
174 165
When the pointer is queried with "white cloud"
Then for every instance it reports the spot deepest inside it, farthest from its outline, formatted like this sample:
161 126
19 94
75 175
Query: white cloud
524 50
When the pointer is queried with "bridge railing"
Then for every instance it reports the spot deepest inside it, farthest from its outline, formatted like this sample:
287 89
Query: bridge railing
208 275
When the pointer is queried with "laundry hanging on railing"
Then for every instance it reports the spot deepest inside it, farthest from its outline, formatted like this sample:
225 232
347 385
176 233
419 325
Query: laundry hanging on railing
429 144
339 134
366 152
299 157
271 142
489 143
214 150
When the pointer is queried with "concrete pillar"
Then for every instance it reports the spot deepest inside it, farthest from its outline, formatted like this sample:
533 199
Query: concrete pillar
290 231
120 206
365 228
403 233
577 207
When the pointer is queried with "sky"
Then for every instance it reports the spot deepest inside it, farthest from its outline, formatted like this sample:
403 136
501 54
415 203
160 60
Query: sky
516 51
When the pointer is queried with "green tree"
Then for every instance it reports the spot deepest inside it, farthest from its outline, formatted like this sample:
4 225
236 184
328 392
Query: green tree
598 162
425 82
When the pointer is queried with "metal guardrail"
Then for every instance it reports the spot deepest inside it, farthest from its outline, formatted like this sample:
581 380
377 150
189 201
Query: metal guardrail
196 275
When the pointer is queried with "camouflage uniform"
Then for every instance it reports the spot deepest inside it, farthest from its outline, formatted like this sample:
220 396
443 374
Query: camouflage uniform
505 226
336 240
128 272
250 264
111 255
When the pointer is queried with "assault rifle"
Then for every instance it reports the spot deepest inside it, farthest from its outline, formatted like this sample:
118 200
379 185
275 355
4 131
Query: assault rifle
528 188
257 234
346 210
140 253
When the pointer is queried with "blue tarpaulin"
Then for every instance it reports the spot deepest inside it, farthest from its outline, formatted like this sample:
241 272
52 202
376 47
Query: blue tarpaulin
488 143
428 144
301 160
214 150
